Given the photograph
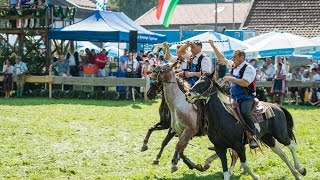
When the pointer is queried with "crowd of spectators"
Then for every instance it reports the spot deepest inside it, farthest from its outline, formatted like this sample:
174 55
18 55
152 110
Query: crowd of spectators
280 74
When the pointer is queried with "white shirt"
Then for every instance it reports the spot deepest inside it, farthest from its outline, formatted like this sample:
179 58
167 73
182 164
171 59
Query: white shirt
249 73
132 64
72 60
184 63
270 71
313 65
206 63
5 68
316 77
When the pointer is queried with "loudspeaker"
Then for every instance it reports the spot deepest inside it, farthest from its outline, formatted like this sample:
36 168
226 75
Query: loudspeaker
133 41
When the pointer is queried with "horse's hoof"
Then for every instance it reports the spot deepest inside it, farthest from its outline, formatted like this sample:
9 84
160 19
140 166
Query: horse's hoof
256 177
304 171
144 148
199 168
174 169
155 162
206 167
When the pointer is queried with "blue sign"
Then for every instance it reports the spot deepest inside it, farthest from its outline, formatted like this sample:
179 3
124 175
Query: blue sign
277 52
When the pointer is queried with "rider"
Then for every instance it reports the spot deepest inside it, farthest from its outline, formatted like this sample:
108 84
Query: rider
242 86
198 62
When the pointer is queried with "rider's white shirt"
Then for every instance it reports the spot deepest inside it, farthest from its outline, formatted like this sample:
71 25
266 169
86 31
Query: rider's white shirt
206 63
249 73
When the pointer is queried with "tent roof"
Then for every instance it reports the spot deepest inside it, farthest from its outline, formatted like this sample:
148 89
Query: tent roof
105 26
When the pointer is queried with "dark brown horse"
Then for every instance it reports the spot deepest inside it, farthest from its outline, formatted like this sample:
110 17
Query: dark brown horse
183 116
163 124
225 131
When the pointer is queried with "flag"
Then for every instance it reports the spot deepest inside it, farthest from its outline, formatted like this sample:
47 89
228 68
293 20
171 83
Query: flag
165 9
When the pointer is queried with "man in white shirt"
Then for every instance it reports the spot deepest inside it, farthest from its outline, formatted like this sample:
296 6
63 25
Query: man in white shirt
200 62
242 86
271 70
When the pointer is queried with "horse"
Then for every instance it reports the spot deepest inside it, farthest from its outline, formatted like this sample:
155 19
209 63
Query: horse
225 131
184 116
163 124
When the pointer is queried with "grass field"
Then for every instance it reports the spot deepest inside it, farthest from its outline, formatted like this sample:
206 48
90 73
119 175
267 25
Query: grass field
87 139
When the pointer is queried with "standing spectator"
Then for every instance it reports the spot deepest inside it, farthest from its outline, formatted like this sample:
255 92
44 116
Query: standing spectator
131 70
270 69
279 86
314 75
19 70
7 78
312 65
152 59
124 57
100 62
62 65
145 73
73 60
92 56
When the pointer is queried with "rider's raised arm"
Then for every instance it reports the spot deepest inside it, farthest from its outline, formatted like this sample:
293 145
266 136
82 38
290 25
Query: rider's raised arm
167 54
218 54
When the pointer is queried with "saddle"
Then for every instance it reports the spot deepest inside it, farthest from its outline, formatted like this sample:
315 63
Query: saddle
202 121
260 110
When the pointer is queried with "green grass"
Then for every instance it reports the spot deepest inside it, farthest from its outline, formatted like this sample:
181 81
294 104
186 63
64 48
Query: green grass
87 139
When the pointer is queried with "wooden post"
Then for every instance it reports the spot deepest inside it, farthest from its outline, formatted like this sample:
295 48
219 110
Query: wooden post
50 86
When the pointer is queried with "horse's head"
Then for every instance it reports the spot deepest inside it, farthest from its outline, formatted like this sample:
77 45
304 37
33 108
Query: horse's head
203 88
155 88
162 73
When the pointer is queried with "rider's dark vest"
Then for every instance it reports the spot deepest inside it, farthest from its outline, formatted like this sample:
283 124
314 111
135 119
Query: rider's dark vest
240 93
195 68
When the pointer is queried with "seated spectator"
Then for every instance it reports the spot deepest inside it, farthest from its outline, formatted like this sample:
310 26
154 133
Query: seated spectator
62 65
279 85
314 97
293 92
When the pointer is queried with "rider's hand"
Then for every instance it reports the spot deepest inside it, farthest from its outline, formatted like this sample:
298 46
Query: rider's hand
165 45
228 78
211 43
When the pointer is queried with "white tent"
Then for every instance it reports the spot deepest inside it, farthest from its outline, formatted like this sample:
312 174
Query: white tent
278 43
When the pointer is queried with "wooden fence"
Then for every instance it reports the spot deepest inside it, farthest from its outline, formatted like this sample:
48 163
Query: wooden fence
113 81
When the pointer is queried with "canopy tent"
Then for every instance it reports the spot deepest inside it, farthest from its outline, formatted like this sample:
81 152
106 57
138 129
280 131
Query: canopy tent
278 43
227 47
105 26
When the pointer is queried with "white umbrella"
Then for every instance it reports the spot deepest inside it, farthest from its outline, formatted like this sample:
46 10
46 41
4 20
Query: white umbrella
227 47
114 52
278 43
82 45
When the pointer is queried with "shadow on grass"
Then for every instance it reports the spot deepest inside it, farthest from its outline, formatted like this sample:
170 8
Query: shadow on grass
215 176
32 101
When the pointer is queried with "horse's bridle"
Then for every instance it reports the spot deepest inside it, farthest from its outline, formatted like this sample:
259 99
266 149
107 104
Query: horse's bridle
208 92
159 70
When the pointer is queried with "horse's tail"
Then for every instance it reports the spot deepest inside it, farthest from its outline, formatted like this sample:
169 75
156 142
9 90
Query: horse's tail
290 123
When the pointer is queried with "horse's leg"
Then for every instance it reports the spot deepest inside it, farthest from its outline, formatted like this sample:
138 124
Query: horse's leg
270 141
297 165
242 155
187 134
209 160
146 139
234 158
164 143
221 152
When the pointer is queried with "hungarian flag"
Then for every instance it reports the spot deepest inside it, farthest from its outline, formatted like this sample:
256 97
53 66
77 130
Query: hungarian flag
165 9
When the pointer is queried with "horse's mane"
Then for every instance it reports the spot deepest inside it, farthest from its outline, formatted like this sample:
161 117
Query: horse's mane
183 85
